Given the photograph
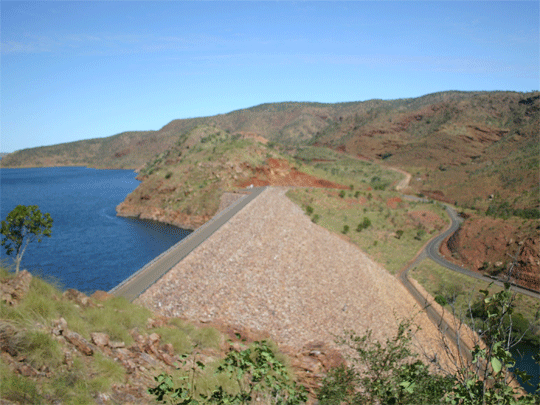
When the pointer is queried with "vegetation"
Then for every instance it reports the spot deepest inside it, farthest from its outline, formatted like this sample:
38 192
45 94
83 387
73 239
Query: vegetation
256 375
391 373
25 330
385 373
460 295
24 225
399 230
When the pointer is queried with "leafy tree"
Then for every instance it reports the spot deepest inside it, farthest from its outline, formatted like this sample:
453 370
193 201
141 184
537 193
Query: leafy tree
23 225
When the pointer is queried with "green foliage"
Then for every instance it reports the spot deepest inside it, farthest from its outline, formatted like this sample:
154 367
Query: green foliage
309 210
257 373
40 349
23 225
420 234
487 379
439 299
315 218
505 210
17 388
366 223
345 229
342 193
399 234
388 373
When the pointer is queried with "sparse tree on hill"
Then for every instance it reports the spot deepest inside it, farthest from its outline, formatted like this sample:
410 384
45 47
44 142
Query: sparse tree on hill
23 225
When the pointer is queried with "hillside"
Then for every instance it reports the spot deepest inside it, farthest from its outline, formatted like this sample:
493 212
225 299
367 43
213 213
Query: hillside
183 185
67 348
477 150
488 138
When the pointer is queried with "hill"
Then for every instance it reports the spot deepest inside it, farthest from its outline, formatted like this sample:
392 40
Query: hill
488 138
477 150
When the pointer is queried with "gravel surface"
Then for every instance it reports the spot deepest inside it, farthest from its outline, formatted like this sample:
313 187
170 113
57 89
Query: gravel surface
271 269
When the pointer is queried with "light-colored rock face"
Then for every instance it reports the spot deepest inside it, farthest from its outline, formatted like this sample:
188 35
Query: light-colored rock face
271 269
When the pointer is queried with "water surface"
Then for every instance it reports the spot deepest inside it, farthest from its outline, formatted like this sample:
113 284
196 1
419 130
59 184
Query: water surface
90 247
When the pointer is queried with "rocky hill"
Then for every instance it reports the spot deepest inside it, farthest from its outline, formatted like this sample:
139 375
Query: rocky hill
478 150
460 146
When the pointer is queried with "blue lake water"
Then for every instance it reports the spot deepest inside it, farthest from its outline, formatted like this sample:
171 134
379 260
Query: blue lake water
90 248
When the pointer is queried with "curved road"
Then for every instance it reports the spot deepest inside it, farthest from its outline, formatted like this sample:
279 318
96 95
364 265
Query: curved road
140 281
431 251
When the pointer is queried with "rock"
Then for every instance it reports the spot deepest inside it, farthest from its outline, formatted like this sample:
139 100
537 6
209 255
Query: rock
101 296
116 345
68 359
100 339
168 348
155 323
59 326
26 370
15 289
102 398
77 297
79 342
154 338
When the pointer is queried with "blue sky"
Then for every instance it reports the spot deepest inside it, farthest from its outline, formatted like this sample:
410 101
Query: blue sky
79 70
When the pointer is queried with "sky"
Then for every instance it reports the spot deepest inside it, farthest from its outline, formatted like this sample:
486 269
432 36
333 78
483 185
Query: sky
81 70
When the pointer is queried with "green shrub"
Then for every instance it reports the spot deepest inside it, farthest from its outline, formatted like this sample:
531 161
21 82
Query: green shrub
345 229
382 373
251 374
342 193
439 299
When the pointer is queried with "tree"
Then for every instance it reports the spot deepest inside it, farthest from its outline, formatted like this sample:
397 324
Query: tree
24 225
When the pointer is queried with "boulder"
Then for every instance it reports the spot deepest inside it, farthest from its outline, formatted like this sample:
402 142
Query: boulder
100 339
15 289
79 342
77 297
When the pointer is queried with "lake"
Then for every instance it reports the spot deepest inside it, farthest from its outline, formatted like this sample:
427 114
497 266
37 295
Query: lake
90 248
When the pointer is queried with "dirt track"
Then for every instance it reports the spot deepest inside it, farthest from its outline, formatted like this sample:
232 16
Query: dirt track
271 269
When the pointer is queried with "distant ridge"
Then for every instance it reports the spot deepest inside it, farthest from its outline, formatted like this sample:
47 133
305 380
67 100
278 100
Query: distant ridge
442 138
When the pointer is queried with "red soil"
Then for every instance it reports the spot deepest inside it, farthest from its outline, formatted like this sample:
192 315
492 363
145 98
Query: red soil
278 172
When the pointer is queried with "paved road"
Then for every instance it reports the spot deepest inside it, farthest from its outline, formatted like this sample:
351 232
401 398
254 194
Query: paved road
431 251
139 282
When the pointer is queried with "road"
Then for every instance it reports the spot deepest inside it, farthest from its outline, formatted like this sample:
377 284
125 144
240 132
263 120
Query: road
431 251
140 281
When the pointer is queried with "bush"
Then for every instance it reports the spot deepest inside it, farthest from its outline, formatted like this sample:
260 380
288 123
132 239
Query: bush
345 229
309 210
255 373
342 193
380 373
439 299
